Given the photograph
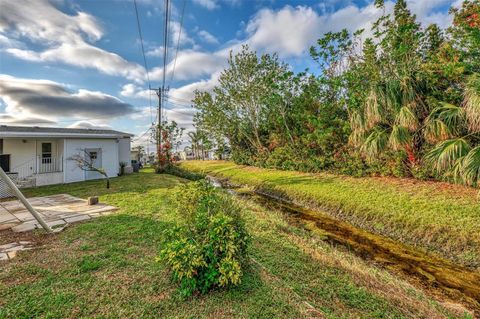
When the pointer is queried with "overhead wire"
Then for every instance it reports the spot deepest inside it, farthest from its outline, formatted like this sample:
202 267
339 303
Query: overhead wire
136 138
165 41
179 99
144 58
178 42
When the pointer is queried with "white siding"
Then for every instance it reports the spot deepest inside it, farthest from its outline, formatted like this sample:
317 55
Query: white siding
110 161
22 152
49 179
124 151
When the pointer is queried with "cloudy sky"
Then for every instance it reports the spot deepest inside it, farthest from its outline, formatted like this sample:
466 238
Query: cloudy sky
79 63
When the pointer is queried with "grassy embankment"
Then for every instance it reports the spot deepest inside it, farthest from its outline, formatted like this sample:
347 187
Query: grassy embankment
434 216
106 268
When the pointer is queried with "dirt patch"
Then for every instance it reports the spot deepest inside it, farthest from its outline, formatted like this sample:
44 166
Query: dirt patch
37 237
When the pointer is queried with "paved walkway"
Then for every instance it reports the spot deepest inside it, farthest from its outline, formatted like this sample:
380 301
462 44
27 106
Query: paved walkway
57 211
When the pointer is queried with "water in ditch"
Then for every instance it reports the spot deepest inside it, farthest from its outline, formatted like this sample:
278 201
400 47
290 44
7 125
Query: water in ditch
440 276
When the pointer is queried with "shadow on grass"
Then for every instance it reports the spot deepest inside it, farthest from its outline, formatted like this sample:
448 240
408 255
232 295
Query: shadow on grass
109 265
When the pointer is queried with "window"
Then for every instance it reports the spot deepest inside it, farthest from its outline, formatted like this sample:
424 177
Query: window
1 146
93 155
46 153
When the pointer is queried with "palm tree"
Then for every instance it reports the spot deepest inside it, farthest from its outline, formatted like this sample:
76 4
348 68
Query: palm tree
195 138
457 152
399 114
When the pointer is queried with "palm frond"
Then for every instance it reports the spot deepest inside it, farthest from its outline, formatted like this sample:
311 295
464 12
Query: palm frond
356 121
393 95
452 115
469 168
399 137
373 109
356 138
436 131
407 118
445 155
375 143
471 103
444 122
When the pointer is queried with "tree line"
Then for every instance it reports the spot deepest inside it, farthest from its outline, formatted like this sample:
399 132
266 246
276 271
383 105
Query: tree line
397 99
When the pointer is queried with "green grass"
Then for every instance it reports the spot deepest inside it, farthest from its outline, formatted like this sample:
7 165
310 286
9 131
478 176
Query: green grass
106 268
434 216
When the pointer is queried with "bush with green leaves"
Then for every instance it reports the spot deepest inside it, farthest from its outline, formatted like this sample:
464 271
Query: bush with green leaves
209 248
174 169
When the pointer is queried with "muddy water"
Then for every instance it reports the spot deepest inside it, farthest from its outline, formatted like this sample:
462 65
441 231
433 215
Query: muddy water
441 277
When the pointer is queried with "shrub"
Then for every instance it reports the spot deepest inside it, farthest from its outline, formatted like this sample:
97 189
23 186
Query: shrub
174 169
209 249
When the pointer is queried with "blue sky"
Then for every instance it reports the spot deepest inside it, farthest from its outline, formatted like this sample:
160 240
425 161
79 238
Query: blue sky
79 63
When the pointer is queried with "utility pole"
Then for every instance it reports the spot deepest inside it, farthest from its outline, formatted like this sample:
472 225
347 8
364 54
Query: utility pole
162 90
160 93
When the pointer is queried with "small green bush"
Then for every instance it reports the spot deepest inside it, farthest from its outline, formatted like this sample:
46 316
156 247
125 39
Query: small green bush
174 169
209 249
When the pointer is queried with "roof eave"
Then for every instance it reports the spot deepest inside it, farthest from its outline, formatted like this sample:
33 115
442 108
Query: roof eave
63 135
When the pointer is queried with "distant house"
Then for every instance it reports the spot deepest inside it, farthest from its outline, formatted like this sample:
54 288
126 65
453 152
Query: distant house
36 156
137 156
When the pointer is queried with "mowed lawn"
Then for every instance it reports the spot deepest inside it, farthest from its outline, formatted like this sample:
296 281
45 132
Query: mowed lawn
434 216
107 268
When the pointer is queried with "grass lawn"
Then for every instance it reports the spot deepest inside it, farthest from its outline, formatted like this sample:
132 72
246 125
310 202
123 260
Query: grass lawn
431 215
106 268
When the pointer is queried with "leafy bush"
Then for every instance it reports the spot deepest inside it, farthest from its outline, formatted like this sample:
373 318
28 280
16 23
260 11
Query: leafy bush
176 170
209 249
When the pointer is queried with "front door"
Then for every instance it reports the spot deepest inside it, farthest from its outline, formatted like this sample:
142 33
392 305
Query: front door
95 155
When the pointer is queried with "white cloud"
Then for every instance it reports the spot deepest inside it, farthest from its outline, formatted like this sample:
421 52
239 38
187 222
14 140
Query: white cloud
27 98
39 20
288 31
192 64
88 124
215 4
6 118
208 4
133 91
66 38
85 56
207 37
186 92
156 51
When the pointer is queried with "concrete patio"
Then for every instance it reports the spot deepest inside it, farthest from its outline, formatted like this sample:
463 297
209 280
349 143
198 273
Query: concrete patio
57 211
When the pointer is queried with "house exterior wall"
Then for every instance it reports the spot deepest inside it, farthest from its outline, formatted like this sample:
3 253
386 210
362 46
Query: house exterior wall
49 179
110 157
22 152
124 151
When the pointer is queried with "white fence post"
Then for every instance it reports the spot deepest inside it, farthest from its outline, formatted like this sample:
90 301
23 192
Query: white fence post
25 202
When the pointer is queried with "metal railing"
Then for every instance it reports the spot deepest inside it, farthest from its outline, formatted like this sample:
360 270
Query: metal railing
38 165
49 164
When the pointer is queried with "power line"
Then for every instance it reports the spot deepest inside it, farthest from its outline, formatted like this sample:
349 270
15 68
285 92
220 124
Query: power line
180 105
179 99
179 112
165 41
161 90
178 41
144 58
143 134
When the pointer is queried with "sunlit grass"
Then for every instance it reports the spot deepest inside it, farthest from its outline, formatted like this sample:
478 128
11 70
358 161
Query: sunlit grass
435 216
106 268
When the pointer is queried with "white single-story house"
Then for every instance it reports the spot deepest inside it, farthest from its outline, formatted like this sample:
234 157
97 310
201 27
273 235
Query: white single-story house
36 156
